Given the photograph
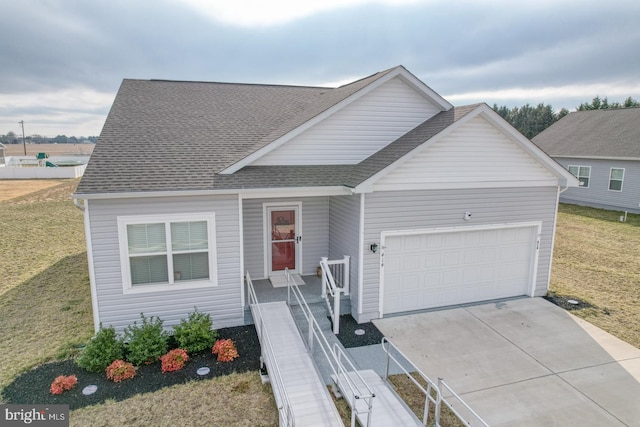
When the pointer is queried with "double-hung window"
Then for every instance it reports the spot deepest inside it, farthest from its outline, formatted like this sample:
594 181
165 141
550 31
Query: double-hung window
616 176
583 173
167 252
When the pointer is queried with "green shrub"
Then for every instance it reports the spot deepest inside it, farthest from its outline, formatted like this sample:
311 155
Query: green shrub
103 349
146 342
195 333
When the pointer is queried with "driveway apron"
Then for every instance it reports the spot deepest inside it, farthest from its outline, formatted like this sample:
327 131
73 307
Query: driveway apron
525 362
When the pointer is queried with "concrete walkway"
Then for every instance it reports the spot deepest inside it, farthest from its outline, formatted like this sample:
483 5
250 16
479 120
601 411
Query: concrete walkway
525 362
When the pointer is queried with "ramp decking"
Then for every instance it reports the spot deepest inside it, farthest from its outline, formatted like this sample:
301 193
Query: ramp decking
308 398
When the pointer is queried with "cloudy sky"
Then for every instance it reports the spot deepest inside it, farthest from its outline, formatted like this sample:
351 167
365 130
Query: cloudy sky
62 61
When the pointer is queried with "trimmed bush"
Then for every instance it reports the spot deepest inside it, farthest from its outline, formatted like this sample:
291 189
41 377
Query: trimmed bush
174 360
120 370
196 333
226 350
145 342
62 383
103 349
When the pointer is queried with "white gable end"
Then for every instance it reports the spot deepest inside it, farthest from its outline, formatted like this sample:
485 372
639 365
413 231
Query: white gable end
358 130
476 155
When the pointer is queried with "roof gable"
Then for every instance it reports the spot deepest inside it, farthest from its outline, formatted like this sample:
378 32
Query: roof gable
348 105
358 130
613 134
479 150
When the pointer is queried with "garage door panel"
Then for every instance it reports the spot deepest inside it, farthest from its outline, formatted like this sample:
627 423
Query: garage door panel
446 268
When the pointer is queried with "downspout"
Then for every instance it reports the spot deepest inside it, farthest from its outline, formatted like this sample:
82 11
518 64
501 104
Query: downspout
78 204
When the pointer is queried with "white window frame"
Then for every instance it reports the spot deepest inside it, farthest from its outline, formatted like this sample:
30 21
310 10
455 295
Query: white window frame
621 180
172 285
578 175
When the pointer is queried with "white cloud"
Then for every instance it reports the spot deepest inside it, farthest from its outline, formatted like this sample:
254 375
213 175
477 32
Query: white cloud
73 112
249 13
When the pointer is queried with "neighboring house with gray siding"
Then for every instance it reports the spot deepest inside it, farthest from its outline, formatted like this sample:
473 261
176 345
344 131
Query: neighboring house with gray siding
193 184
602 149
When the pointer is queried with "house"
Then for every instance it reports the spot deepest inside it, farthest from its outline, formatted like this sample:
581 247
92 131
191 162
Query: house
602 149
192 184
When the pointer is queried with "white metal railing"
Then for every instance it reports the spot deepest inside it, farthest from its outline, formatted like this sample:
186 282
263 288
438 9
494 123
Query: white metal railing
444 386
335 357
275 377
340 272
333 285
431 387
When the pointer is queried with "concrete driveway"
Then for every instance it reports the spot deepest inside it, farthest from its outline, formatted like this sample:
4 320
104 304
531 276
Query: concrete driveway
525 362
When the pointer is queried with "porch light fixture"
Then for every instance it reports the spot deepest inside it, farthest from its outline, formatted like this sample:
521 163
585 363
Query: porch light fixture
373 247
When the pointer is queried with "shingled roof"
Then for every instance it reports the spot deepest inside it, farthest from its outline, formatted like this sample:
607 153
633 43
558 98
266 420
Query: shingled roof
176 136
611 133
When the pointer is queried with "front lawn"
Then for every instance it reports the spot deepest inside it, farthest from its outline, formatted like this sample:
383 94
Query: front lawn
597 260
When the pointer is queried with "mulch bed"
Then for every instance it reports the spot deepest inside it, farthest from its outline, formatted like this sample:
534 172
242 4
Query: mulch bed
563 302
33 387
348 336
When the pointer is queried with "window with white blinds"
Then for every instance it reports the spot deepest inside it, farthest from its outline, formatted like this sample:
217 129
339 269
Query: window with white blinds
177 250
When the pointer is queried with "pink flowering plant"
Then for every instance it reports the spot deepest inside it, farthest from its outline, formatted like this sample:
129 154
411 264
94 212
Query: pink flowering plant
174 360
120 370
63 383
226 350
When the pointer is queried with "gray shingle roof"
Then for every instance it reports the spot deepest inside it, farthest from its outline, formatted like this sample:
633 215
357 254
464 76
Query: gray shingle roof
596 133
177 136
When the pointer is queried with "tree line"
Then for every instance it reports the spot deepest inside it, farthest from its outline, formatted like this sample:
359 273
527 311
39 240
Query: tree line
12 138
530 120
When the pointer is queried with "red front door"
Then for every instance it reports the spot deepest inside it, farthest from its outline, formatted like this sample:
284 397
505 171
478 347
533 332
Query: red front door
283 239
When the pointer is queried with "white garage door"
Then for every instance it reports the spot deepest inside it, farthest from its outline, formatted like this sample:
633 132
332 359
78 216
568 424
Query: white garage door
435 269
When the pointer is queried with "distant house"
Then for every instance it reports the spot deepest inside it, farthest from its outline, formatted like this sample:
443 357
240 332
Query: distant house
602 149
193 184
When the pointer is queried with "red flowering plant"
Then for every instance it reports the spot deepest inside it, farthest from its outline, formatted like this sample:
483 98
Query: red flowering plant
120 370
174 360
226 350
62 383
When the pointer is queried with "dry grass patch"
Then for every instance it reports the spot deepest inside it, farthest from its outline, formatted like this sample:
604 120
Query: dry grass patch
414 398
45 300
235 400
597 259
11 188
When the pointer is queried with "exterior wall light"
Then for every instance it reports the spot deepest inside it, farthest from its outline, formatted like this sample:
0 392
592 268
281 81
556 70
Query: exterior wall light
373 247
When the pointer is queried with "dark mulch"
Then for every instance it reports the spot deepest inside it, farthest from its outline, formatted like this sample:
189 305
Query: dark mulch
348 336
33 387
563 301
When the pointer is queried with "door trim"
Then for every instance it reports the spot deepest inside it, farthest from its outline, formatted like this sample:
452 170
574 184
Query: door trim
391 233
266 228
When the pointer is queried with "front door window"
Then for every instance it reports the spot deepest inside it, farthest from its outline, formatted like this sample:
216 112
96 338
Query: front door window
283 239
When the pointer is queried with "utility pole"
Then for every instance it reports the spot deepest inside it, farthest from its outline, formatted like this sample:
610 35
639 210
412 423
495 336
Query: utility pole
21 122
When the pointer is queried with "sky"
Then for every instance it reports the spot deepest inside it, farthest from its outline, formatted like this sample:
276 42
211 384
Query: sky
62 61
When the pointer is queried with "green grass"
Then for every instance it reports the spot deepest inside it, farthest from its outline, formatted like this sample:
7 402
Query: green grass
597 259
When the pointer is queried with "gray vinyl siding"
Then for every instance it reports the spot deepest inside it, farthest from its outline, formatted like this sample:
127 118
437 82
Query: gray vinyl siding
315 237
598 194
410 210
344 235
358 130
222 302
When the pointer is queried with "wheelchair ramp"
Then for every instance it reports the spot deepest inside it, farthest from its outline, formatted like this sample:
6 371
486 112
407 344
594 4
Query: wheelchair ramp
300 392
